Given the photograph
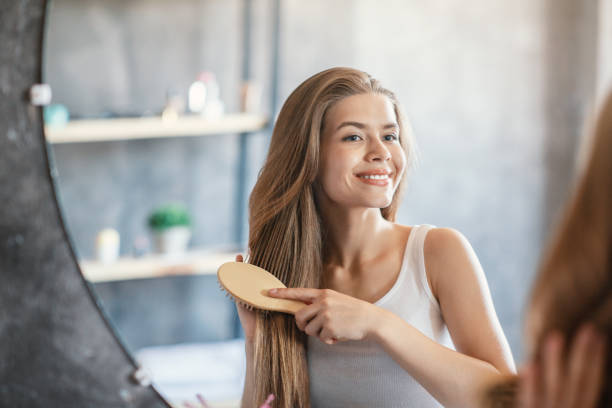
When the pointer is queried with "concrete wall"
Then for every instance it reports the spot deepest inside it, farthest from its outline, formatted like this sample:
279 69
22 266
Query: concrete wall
496 92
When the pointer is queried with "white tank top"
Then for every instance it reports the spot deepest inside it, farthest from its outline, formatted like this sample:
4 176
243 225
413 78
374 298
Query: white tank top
361 373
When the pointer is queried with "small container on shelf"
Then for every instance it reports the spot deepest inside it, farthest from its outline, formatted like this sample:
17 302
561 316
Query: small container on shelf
171 226
204 96
107 246
175 106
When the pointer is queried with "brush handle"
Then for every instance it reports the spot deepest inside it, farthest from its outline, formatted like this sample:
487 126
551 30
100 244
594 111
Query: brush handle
249 284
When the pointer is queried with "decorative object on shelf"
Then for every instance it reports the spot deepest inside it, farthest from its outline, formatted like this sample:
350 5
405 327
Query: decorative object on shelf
56 115
107 246
175 106
171 226
40 94
204 96
214 107
197 96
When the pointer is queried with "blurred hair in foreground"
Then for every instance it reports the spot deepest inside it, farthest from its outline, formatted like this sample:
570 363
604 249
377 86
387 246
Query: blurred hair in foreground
574 283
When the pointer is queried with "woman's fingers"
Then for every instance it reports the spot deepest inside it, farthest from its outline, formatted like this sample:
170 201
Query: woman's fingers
594 381
307 295
577 366
327 336
583 371
247 320
315 326
239 258
552 369
571 379
527 397
305 315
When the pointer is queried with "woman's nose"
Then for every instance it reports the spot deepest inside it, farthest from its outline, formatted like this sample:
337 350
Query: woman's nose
378 152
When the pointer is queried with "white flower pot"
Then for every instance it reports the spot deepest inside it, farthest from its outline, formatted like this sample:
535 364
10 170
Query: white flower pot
172 240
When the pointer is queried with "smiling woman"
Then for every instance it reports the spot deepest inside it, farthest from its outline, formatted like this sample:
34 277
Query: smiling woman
382 297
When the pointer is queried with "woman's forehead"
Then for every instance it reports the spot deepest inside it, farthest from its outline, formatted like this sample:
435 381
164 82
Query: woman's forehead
370 109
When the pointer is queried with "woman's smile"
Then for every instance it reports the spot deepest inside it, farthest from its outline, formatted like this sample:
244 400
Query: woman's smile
380 177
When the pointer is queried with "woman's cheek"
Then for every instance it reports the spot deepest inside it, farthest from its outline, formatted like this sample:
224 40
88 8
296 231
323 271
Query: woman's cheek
399 158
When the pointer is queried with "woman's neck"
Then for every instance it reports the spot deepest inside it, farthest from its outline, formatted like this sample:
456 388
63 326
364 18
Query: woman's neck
353 235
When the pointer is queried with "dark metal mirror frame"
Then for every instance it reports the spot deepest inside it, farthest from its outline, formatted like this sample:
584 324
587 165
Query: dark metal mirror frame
56 346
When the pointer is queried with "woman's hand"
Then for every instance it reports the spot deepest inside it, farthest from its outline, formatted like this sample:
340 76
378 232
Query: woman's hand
571 382
332 316
247 317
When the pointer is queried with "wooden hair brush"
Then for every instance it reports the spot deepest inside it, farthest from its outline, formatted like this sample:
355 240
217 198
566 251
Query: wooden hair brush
249 284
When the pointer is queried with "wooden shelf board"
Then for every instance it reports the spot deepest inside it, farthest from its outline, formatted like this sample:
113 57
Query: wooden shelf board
156 266
100 130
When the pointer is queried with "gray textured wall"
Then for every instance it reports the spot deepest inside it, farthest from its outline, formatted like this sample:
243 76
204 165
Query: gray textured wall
496 92
57 349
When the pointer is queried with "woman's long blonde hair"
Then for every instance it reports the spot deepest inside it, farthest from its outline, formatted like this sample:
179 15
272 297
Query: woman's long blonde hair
286 235
574 283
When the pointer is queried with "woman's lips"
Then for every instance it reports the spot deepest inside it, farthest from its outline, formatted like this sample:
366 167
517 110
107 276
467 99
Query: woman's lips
374 180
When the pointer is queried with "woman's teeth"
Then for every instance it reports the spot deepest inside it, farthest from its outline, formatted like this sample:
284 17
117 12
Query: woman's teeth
376 177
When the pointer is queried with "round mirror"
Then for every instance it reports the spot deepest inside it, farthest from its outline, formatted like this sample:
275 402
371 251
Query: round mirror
160 122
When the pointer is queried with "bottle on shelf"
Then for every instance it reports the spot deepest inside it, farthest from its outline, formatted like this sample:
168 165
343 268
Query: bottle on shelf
204 96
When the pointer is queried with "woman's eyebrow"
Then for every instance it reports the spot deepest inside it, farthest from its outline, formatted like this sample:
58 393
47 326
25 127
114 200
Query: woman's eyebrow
355 124
391 126
360 125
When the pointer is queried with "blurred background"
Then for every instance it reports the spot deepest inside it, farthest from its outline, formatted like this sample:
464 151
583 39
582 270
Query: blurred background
162 113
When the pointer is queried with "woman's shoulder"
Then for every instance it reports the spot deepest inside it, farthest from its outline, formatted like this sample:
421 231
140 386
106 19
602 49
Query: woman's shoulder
445 249
438 240
444 239
437 237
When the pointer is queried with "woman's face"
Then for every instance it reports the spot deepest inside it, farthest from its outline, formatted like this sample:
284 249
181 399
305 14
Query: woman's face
362 161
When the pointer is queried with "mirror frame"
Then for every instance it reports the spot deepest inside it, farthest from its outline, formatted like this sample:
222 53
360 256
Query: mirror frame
58 347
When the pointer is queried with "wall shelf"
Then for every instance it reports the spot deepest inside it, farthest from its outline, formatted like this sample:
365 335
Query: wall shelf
103 130
194 262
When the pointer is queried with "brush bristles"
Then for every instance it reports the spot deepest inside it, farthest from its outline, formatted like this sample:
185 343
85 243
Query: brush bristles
240 302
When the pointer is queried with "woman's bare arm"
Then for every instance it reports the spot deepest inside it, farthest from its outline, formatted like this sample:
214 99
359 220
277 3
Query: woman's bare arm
455 378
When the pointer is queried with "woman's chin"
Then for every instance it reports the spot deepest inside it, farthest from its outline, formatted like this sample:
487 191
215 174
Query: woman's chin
379 203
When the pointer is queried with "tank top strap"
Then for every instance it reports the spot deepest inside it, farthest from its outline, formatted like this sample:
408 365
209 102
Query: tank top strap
417 253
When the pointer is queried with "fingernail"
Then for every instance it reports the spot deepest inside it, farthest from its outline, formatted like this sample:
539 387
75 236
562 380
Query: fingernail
272 291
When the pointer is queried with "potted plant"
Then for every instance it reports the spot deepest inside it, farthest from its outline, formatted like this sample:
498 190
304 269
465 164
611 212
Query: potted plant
171 226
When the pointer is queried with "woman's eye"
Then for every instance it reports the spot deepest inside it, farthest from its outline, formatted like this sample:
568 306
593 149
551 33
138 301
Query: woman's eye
390 138
352 138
